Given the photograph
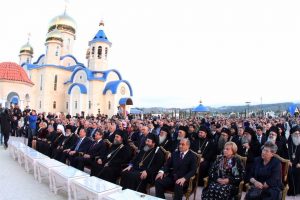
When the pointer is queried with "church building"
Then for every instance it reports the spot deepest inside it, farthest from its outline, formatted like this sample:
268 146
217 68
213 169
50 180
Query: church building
58 82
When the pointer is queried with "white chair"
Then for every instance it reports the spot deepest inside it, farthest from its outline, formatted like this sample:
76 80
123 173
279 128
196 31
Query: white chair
92 188
20 153
62 176
30 158
42 169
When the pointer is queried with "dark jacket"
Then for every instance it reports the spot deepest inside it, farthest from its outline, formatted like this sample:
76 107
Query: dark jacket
84 145
118 156
235 174
98 150
5 120
271 174
205 147
69 141
178 168
149 161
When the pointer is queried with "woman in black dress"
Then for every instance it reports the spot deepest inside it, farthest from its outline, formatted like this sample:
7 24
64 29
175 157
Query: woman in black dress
225 175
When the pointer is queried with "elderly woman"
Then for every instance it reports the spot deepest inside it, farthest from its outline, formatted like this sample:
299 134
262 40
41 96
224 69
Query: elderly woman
225 175
265 176
41 134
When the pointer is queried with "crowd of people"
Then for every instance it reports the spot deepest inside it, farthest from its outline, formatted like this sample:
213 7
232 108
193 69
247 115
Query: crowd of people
132 152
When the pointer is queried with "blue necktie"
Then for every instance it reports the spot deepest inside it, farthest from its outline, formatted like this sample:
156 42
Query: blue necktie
78 144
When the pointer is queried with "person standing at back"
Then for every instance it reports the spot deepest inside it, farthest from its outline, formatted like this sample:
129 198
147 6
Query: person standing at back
5 120
32 127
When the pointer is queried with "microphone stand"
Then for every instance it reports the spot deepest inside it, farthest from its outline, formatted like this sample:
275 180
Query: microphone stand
157 148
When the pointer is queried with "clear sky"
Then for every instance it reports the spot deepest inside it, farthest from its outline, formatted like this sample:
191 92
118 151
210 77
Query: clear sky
176 52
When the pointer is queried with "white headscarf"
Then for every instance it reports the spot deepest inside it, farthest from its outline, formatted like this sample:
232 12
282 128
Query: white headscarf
61 127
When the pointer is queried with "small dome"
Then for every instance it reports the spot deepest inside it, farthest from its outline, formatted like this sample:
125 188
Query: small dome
26 48
13 72
54 35
63 22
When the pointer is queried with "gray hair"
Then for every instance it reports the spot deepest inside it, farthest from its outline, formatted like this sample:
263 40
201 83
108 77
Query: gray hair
187 141
50 126
273 147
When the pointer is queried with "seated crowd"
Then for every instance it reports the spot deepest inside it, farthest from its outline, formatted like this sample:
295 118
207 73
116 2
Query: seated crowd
162 153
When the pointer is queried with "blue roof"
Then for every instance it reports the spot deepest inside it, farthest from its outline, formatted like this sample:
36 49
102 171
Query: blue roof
33 66
82 88
125 101
38 60
292 108
113 86
91 74
100 37
70 56
201 108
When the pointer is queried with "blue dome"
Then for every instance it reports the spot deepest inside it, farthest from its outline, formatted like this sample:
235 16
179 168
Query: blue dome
100 37
201 108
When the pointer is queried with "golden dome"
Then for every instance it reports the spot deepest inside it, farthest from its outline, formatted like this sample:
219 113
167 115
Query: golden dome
54 35
63 22
26 48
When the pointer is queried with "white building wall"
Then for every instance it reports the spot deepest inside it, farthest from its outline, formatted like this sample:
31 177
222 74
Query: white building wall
68 42
51 57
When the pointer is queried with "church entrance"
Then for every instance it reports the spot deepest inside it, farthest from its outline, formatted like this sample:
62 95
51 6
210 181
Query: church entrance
12 98
123 106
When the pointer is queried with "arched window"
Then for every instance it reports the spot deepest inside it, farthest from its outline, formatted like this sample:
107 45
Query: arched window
75 104
56 53
68 44
55 82
27 61
67 105
41 83
93 51
106 52
54 104
100 52
40 104
109 105
90 104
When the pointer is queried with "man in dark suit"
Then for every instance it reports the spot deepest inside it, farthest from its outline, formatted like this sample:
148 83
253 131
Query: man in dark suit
137 135
261 137
176 173
94 129
110 135
81 147
144 167
98 149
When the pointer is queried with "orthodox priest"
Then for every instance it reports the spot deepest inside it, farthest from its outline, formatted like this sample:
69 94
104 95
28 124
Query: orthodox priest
144 167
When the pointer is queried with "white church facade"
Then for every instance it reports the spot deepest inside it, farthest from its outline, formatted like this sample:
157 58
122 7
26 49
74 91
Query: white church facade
57 82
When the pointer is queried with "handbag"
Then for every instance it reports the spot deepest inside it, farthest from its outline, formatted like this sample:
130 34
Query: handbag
254 193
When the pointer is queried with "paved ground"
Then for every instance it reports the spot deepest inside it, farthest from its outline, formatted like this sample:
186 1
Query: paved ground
16 184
